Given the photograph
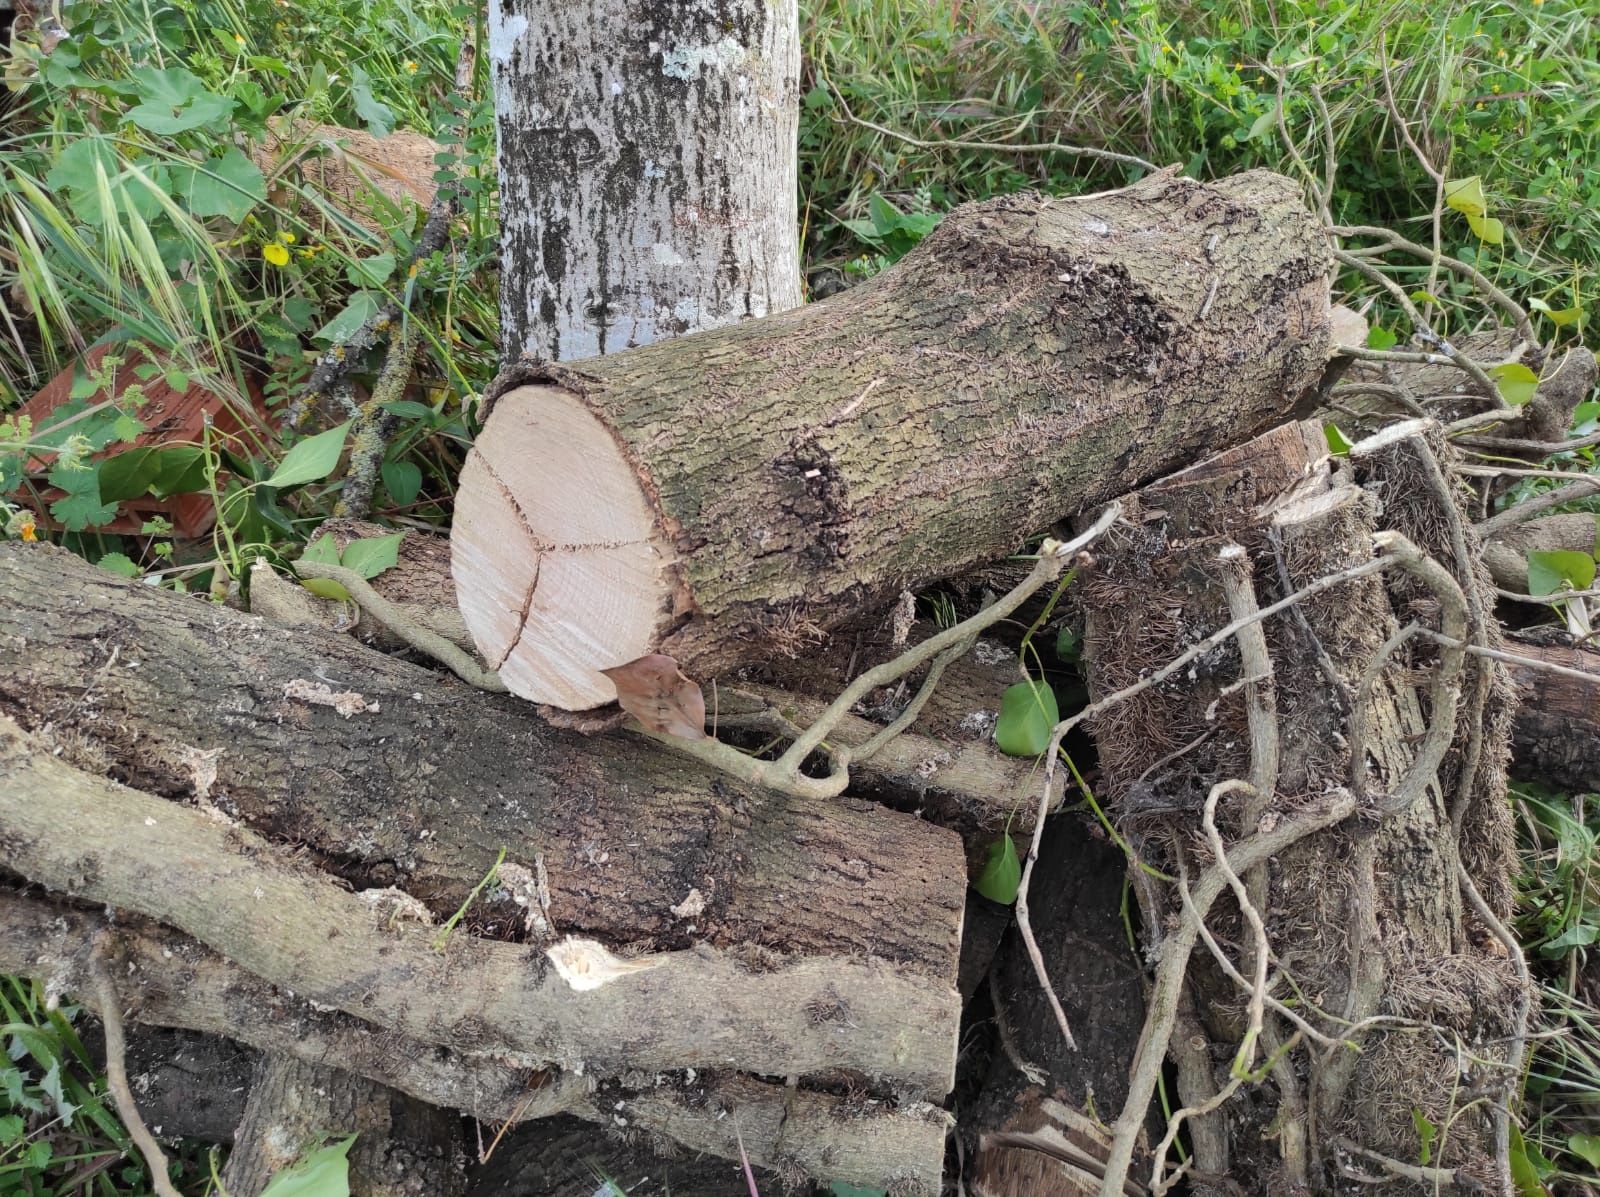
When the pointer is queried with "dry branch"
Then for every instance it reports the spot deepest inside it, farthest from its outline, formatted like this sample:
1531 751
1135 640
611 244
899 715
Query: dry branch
723 497
173 981
234 892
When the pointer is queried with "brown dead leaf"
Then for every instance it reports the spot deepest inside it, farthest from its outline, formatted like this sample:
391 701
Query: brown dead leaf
654 691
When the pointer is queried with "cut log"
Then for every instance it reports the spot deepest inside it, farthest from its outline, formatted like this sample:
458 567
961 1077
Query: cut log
721 497
1556 738
1506 554
428 780
173 981
1368 916
571 1001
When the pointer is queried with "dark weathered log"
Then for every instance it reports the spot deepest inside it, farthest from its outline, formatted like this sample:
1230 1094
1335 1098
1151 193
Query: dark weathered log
428 780
402 1147
704 1008
1367 917
564 1156
721 496
1027 1130
1556 738
173 981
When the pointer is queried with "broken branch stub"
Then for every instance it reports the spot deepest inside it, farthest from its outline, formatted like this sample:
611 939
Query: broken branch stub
728 496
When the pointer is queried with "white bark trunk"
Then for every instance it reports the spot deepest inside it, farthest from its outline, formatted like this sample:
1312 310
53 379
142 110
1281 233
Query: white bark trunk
647 168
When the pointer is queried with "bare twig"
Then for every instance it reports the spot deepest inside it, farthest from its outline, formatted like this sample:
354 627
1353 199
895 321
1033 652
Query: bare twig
420 638
1434 1178
1004 147
1528 508
1419 323
117 1075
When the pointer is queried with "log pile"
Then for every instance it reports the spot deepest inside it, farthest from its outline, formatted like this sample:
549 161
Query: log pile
349 861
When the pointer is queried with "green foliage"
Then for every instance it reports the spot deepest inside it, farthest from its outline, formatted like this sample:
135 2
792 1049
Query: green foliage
1001 875
1027 714
56 1118
324 1172
1554 570
135 210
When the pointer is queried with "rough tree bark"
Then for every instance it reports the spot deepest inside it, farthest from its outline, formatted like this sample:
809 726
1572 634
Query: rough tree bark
647 169
425 785
1556 738
719 497
1366 918
173 981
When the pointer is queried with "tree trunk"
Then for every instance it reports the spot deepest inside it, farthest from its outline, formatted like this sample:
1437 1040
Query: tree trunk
402 1147
1363 919
725 497
425 785
647 169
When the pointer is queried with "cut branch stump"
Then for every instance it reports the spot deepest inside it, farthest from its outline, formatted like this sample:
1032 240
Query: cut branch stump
722 497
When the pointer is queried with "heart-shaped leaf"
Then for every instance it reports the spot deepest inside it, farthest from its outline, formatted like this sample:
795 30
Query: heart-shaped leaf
1466 196
312 459
1487 229
1027 713
1586 1148
1001 875
1517 382
1379 337
1550 571
323 1173
1338 443
323 550
371 556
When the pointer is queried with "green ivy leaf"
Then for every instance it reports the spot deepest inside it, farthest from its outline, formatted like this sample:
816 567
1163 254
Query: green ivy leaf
127 475
1338 443
229 186
1069 645
119 563
1427 1132
403 481
1027 713
312 460
325 588
371 556
1517 382
378 115
1560 318
1487 229
357 310
323 1173
180 470
1466 196
1379 337
372 271
1001 875
323 550
175 101
1550 571
1586 1148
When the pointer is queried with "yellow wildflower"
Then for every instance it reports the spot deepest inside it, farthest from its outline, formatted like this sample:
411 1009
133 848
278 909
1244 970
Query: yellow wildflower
411 67
238 39
286 238
276 253
30 532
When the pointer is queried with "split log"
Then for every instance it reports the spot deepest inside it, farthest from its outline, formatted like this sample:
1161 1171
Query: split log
703 1008
173 981
429 779
1556 738
721 497
1365 917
